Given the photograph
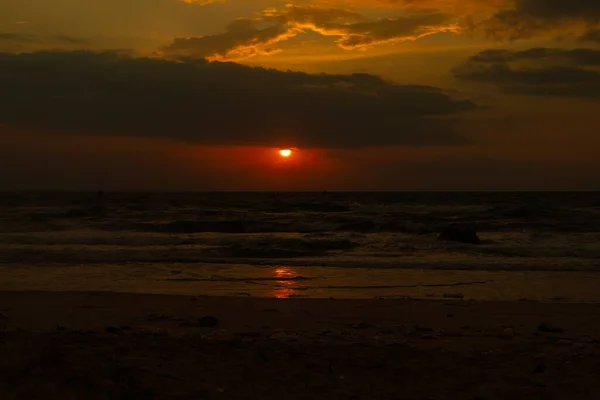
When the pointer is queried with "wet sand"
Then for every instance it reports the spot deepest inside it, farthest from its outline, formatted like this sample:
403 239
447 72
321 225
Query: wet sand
94 345
314 282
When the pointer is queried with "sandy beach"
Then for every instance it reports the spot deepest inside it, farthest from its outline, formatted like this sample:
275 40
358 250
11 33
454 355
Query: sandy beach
101 345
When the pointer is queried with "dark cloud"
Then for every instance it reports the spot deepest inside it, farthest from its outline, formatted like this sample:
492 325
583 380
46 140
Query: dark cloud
539 71
220 103
528 18
16 37
593 35
31 38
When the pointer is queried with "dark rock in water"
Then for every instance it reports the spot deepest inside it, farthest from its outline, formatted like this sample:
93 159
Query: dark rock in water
208 321
117 330
543 327
459 234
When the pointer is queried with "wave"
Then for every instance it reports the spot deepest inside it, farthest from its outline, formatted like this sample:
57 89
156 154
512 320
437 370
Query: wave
375 287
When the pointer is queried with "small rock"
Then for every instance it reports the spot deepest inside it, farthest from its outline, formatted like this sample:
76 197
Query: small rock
361 325
454 295
449 315
208 321
459 234
543 327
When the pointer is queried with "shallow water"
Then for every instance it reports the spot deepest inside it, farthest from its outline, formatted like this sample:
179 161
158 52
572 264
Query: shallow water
535 245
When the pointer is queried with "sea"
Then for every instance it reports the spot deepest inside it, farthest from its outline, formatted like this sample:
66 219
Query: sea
535 246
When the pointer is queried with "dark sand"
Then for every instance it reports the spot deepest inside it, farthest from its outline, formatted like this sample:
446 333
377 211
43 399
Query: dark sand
129 346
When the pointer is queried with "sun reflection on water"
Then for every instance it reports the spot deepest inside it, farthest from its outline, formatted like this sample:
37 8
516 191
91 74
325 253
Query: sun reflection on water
286 284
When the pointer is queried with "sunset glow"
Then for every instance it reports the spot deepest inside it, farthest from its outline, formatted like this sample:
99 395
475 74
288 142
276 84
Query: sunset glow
300 95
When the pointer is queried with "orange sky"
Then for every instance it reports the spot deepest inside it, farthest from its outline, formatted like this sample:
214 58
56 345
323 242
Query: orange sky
468 94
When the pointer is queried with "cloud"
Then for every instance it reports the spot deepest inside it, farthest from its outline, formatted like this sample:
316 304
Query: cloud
593 35
241 39
248 37
31 38
538 71
528 18
220 103
16 37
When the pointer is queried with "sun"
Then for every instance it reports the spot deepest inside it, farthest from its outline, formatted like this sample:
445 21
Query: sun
285 152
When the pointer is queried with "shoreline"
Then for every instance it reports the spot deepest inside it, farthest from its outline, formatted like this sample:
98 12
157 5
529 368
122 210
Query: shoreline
307 282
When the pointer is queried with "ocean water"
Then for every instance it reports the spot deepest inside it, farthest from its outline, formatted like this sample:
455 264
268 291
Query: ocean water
535 245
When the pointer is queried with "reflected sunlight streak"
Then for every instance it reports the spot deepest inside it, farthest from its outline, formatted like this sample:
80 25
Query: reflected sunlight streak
286 287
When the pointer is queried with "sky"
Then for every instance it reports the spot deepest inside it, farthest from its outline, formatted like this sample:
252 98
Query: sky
369 94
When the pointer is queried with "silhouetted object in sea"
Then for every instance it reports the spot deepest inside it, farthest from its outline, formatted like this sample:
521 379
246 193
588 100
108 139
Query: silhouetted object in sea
459 234
100 194
208 321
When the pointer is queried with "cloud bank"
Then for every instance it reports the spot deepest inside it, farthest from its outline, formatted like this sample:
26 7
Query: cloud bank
220 103
538 71
529 18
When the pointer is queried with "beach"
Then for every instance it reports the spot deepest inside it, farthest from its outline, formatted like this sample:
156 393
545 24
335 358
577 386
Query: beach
299 296
101 345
